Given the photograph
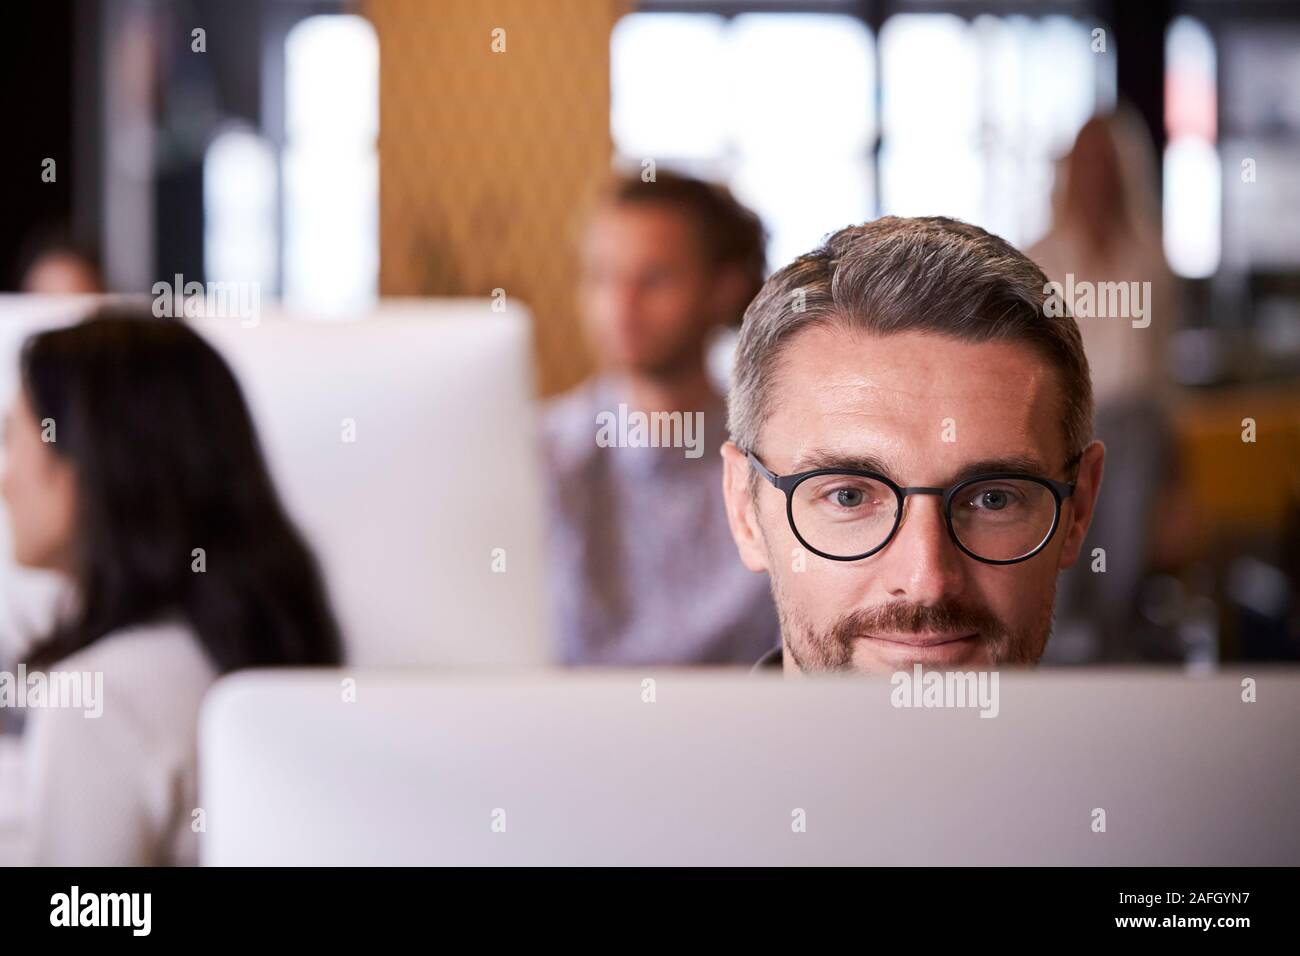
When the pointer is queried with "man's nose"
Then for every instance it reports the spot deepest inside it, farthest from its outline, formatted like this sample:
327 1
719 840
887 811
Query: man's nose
922 565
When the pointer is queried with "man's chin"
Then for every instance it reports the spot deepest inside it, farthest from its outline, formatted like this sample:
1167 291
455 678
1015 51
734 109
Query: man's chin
876 654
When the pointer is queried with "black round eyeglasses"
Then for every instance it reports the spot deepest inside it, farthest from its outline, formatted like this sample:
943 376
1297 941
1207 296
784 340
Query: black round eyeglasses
845 514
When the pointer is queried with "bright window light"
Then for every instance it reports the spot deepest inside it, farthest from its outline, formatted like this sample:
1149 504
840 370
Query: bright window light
1192 183
331 165
239 206
779 106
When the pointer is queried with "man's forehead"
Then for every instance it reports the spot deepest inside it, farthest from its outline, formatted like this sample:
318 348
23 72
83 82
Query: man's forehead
642 218
913 393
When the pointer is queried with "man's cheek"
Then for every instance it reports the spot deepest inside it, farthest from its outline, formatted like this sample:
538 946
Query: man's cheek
823 591
1014 592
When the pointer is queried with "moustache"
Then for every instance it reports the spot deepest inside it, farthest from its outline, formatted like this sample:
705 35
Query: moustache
901 617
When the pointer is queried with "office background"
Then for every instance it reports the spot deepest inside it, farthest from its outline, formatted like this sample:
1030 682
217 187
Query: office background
336 153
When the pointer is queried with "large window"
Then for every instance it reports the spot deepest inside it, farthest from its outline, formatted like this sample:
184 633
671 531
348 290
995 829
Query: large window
303 221
782 106
239 209
1191 163
331 164
975 112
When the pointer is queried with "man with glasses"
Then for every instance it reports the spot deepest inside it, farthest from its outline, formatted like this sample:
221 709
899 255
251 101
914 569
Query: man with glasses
911 458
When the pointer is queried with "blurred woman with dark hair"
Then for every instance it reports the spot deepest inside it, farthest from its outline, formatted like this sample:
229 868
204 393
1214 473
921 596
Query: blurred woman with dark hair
1106 229
132 467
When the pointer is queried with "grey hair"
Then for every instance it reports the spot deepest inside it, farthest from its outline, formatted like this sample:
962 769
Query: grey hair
893 275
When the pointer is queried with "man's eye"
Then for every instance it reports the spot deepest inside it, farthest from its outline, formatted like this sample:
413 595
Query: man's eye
849 497
852 498
845 498
994 499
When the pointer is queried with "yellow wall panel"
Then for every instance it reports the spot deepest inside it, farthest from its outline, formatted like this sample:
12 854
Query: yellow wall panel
485 158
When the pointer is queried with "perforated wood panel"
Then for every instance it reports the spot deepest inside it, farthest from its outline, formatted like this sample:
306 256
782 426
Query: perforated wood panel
486 156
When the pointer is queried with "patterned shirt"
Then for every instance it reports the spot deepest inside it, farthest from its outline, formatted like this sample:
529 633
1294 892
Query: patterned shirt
643 566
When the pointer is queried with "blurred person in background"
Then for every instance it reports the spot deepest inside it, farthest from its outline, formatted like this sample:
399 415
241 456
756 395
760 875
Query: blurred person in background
643 567
128 448
1106 229
53 263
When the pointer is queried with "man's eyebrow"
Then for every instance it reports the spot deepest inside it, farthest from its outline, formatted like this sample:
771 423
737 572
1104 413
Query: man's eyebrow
824 458
1023 464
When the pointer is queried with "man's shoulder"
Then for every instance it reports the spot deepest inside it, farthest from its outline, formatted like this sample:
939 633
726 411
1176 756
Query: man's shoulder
568 423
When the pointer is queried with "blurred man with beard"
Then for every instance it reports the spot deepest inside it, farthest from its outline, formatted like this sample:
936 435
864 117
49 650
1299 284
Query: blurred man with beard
911 459
642 563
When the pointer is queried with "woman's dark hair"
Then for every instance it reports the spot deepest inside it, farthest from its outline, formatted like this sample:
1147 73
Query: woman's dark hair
167 461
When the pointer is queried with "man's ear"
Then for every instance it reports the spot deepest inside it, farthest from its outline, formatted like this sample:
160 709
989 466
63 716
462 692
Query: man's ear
1077 514
742 511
